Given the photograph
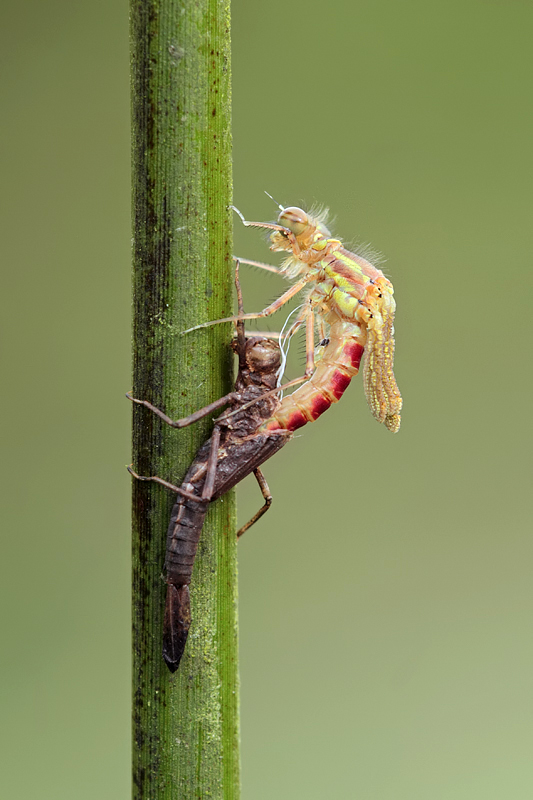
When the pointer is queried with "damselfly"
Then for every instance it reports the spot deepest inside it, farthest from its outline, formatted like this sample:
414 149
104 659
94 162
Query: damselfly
353 305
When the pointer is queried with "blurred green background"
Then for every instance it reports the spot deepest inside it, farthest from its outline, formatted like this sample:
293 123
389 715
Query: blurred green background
385 600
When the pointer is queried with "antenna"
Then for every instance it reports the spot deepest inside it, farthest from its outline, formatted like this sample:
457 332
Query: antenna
275 201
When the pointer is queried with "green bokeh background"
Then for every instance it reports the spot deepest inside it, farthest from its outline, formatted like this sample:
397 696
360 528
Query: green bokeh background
385 600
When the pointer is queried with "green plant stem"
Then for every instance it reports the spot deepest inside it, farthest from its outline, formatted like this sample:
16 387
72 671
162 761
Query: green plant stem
185 742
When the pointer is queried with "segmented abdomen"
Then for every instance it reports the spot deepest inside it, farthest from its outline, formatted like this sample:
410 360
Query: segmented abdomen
186 523
235 460
338 365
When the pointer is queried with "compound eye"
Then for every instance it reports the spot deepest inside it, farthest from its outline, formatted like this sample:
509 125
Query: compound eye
294 219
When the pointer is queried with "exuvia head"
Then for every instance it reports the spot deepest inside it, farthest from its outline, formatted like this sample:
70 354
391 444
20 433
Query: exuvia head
262 354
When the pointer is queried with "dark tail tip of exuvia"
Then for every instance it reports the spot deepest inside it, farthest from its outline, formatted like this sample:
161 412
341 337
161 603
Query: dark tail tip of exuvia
176 625
172 665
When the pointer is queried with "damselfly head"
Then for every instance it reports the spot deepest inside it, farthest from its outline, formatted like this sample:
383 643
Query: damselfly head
295 221
294 218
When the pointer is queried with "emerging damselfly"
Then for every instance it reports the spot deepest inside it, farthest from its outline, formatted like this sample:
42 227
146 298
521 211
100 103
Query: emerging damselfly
353 305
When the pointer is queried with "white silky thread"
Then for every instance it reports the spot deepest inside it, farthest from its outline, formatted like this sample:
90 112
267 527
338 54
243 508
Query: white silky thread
284 346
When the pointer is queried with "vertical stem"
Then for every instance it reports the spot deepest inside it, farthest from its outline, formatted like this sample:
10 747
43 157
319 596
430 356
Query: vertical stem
185 726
